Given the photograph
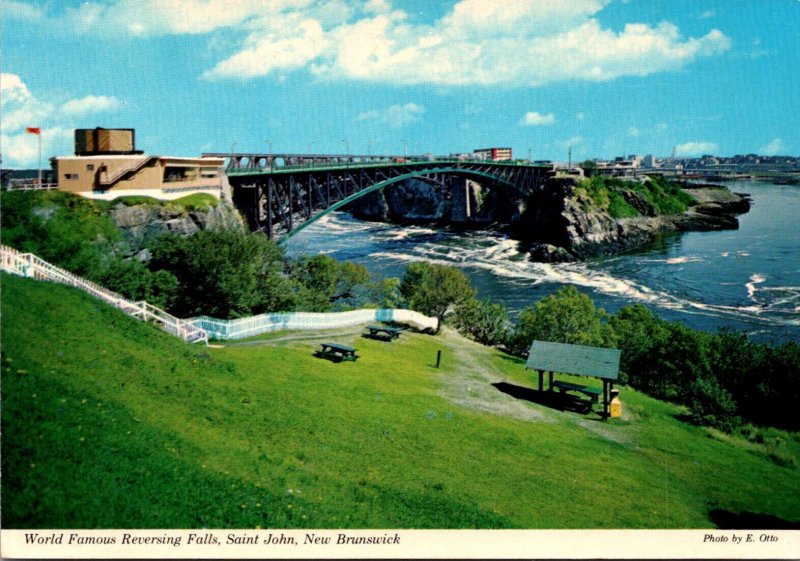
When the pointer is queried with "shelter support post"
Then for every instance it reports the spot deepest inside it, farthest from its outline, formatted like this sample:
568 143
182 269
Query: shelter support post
541 380
550 387
605 399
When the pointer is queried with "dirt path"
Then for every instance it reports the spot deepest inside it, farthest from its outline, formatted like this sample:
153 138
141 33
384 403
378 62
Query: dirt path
472 387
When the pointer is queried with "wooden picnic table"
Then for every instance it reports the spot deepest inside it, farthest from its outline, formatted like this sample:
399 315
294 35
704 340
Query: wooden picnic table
564 387
337 352
383 332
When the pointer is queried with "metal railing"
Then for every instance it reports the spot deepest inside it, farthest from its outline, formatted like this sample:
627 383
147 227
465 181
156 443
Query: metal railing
30 185
31 266
107 178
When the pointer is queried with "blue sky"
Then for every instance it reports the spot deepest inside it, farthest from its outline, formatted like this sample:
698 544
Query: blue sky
607 77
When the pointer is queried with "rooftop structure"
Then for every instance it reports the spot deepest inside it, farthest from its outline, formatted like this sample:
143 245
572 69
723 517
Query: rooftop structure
107 165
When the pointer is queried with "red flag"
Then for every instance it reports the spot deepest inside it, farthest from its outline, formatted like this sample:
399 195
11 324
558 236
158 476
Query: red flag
34 130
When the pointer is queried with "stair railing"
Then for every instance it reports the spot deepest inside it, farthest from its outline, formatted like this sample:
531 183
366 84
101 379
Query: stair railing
31 266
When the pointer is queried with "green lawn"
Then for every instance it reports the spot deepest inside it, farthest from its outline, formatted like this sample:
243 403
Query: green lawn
108 422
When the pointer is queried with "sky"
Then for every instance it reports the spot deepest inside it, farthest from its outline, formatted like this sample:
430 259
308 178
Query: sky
604 77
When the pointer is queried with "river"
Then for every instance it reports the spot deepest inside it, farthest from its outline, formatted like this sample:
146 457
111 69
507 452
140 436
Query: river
746 279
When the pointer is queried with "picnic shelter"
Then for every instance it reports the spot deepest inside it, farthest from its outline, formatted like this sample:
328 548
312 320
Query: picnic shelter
578 360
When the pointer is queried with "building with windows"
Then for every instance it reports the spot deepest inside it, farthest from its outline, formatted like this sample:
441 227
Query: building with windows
493 154
107 165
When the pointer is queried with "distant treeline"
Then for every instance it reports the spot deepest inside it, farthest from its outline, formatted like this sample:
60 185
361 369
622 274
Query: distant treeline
724 379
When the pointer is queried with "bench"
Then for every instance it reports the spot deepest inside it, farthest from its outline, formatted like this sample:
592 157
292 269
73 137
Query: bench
593 393
336 352
383 333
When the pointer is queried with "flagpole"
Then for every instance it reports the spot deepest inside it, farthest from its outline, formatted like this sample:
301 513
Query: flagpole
40 158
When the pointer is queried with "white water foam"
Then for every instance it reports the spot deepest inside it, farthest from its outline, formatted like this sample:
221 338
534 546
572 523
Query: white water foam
684 259
497 260
500 256
755 279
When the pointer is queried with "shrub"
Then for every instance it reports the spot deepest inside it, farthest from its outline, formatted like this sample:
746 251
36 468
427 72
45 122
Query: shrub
64 229
711 404
484 321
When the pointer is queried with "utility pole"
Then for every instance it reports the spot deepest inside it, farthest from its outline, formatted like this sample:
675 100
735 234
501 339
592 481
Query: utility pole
40 159
569 164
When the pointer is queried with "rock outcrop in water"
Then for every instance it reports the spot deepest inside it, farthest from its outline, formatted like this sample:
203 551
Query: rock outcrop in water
558 222
562 224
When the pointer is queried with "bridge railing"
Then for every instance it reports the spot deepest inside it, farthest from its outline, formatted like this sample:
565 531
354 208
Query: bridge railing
335 164
31 266
267 323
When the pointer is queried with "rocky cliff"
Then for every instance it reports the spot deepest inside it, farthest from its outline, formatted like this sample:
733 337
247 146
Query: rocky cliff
142 223
461 203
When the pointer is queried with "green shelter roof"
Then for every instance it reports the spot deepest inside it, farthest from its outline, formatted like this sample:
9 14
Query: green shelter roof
574 359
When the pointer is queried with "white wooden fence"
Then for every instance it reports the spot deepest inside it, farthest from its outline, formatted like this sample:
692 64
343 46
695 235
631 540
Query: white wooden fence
265 323
200 329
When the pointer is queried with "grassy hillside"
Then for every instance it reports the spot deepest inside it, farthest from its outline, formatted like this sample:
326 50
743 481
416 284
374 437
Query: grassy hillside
108 422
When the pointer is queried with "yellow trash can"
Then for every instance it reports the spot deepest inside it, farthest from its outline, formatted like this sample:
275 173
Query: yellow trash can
615 409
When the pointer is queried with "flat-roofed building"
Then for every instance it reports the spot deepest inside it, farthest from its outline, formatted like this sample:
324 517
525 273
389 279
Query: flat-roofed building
493 154
107 165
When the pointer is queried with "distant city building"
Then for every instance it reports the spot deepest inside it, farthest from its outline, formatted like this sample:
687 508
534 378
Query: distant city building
107 165
649 161
493 154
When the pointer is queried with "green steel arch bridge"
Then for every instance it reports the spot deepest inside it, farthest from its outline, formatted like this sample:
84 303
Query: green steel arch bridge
281 194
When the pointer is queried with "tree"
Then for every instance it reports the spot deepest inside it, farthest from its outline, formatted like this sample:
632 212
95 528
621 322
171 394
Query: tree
224 273
324 282
564 317
435 290
640 335
589 167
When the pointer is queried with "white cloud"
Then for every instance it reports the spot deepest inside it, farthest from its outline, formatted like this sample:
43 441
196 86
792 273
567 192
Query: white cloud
265 54
575 140
395 116
634 131
708 14
22 109
90 104
377 7
22 10
534 118
477 42
695 148
516 48
773 148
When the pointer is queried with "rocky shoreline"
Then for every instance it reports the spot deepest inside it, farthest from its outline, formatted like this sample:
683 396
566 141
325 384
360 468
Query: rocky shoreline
575 233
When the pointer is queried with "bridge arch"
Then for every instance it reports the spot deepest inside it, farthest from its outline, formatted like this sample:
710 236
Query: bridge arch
398 179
